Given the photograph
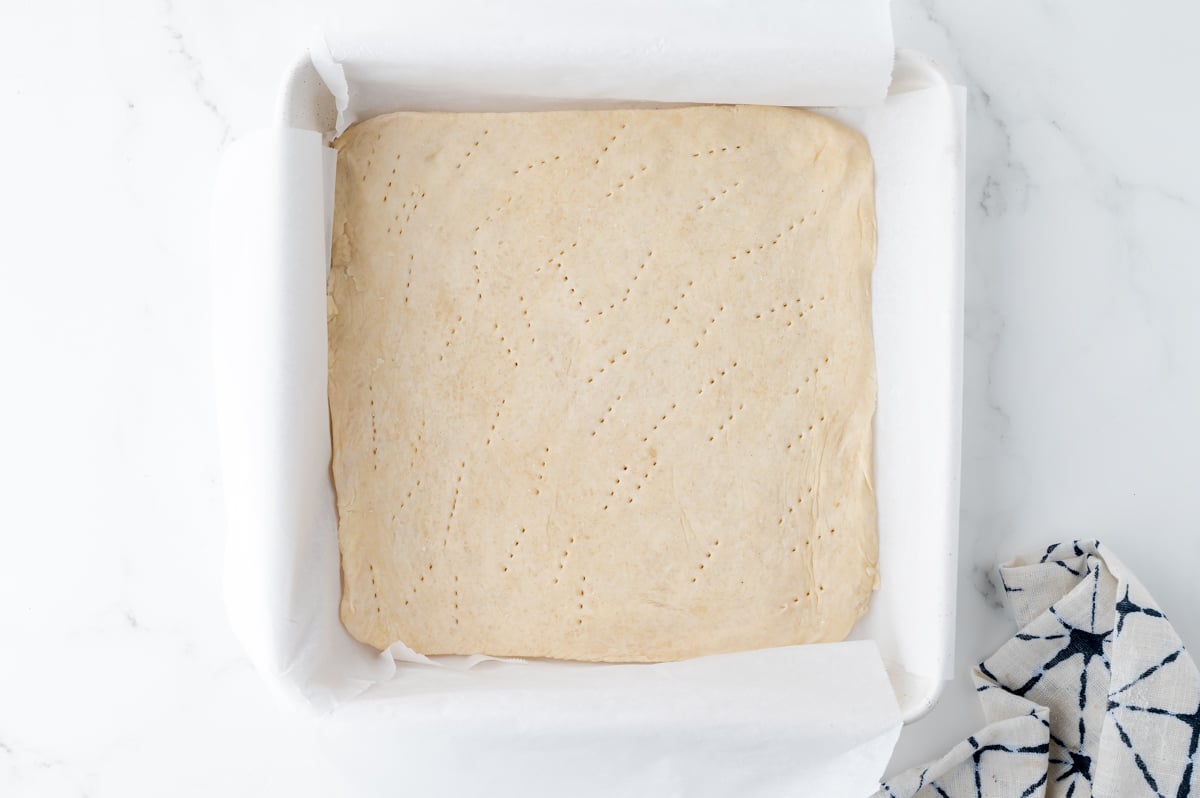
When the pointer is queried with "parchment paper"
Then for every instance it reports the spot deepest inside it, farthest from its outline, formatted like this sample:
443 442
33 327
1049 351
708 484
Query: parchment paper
800 720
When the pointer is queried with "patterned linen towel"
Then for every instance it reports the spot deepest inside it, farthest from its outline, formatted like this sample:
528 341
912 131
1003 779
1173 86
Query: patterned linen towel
1095 696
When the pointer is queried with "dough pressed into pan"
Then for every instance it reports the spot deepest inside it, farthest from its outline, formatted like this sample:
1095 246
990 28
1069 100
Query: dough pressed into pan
602 382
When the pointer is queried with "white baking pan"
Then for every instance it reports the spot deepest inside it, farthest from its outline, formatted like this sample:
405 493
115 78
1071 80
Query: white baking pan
918 337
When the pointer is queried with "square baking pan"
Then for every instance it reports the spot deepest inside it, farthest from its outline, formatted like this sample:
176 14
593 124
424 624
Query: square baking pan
282 573
918 338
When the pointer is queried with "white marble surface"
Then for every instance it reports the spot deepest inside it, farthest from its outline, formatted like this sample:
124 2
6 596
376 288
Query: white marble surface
118 674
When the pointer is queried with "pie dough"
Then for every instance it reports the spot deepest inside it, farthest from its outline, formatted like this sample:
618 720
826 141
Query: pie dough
602 382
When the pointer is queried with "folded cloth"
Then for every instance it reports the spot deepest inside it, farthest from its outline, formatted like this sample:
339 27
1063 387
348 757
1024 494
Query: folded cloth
1094 696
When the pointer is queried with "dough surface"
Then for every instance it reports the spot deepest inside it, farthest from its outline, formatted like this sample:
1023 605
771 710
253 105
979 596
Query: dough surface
602 382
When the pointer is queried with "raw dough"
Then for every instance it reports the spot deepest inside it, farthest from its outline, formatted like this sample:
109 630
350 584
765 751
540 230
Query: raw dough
602 382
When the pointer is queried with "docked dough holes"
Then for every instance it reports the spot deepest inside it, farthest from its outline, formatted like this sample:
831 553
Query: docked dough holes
602 382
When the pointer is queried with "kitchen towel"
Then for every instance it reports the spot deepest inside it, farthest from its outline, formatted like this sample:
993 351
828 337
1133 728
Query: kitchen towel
1095 695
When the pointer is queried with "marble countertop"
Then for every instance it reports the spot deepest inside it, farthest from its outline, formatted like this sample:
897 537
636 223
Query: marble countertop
119 673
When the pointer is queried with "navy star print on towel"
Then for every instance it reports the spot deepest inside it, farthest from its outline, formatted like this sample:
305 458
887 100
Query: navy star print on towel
1095 696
